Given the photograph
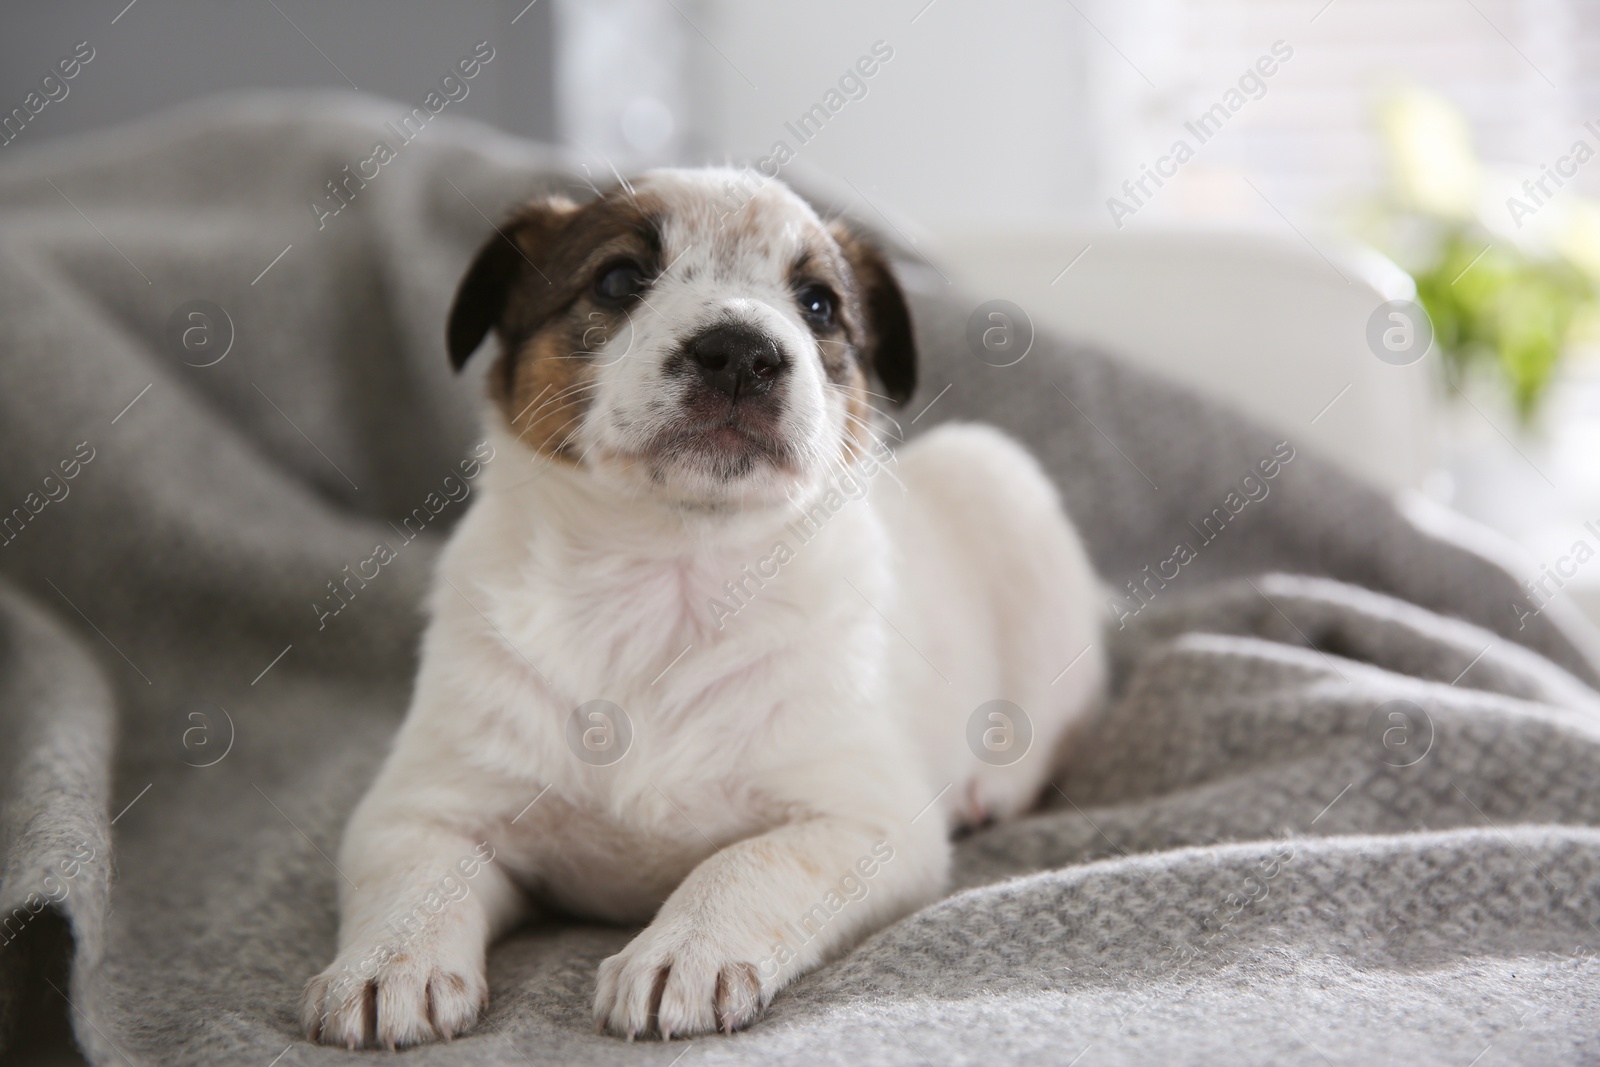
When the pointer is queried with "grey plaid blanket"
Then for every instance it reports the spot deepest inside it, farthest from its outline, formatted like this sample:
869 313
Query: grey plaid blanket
1340 809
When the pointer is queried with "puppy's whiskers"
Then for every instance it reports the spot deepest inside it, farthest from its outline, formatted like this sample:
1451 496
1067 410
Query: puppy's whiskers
565 394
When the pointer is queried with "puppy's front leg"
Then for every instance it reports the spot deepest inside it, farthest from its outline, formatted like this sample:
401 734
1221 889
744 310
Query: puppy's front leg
416 915
760 912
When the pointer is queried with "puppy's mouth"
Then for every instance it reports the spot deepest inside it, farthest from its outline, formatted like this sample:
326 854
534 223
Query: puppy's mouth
726 446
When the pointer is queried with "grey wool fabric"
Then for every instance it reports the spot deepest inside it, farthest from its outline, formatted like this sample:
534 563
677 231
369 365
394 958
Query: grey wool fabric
1339 808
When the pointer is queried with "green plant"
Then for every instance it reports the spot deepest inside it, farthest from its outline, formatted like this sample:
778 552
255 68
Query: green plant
1498 311
1505 300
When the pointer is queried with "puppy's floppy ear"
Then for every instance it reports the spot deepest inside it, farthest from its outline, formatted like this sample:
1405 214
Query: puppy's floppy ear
889 343
511 254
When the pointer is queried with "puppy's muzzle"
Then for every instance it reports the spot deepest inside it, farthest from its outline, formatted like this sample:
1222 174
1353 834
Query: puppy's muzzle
736 360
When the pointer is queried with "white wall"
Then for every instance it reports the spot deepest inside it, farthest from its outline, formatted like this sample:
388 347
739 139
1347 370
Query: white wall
978 120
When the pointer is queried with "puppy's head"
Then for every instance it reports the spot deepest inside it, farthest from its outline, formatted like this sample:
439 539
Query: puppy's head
696 335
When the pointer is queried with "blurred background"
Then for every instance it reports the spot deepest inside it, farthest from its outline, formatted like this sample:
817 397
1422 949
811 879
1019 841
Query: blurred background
1366 222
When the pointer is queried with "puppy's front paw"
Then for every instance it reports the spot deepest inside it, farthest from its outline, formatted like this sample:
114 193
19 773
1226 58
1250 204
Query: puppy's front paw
392 999
676 981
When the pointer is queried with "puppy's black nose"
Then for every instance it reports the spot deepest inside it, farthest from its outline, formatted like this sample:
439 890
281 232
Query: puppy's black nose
737 360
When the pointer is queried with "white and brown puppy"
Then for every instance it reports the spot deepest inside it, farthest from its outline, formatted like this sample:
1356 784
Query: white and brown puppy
685 667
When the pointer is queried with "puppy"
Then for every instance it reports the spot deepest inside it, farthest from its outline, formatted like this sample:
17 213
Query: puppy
705 654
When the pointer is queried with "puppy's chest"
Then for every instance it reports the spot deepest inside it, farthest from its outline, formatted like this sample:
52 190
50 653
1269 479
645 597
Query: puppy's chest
605 624
664 634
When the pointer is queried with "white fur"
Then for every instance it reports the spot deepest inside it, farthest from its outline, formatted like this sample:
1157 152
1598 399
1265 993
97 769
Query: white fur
775 749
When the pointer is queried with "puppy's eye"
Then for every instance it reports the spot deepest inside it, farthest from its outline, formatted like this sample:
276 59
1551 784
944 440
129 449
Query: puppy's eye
816 304
618 281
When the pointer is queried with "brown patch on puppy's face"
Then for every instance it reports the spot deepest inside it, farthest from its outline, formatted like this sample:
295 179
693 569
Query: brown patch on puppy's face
533 283
689 335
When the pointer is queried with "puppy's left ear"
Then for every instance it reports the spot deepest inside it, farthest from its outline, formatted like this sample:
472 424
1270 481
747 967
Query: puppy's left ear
513 251
481 296
889 343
